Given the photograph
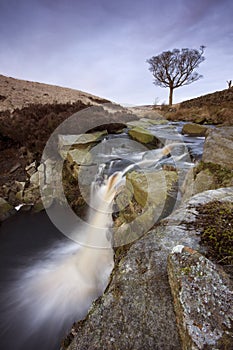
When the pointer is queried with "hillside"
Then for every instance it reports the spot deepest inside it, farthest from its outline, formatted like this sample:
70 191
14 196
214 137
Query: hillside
15 93
218 98
30 112
215 108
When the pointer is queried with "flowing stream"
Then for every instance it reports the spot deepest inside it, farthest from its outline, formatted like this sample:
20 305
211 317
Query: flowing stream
48 295
47 282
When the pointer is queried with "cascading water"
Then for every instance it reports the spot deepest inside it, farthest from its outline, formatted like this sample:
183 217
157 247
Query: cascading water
40 302
46 298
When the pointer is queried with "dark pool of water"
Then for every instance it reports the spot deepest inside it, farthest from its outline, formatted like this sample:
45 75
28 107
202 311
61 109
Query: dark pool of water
24 237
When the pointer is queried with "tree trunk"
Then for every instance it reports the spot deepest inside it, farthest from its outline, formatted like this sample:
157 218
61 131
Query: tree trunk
171 95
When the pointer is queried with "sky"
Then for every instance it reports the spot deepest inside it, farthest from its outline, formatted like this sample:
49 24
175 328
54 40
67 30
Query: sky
101 46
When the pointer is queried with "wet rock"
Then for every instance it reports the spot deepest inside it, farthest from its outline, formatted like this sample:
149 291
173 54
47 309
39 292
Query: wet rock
152 188
193 129
203 300
137 310
146 199
218 147
6 210
142 135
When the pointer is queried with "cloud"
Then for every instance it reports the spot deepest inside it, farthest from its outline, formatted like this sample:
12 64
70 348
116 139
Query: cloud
102 47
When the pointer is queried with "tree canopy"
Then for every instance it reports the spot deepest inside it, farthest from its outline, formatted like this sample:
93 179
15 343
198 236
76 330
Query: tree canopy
176 68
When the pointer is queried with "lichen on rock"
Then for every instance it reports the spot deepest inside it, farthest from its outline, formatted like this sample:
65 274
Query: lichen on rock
203 301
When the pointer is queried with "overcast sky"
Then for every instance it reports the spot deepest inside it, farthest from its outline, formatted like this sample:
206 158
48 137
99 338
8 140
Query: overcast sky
101 46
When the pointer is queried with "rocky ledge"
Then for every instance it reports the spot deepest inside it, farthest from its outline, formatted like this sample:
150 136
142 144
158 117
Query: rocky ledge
203 299
137 310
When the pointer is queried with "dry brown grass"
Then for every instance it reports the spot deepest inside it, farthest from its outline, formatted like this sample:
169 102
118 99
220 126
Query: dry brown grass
211 112
15 93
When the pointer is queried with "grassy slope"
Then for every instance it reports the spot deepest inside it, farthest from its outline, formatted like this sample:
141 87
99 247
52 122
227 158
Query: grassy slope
215 108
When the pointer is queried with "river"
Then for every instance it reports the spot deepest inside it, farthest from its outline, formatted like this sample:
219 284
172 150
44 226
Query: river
40 274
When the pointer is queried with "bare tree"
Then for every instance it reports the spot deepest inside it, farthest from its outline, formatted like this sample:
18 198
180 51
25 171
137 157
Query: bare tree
229 83
176 68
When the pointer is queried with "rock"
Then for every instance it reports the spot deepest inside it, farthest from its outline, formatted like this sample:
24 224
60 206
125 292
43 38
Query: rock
205 176
203 181
19 196
20 185
152 188
14 168
79 157
218 147
194 129
137 311
142 135
6 210
74 141
203 300
34 179
31 195
31 169
48 171
79 145
146 199
146 122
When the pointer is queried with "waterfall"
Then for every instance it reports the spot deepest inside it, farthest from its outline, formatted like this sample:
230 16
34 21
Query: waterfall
40 303
47 297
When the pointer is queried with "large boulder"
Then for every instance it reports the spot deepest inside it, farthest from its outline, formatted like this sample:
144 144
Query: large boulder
6 210
80 142
152 187
193 129
203 300
206 176
142 135
218 147
137 309
146 199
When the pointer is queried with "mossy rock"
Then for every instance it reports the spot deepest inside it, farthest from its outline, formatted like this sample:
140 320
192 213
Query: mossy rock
153 187
204 181
193 129
145 200
142 135
6 210
222 177
206 176
215 222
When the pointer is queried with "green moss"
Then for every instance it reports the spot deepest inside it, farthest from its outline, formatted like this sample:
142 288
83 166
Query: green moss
142 135
223 177
215 223
72 191
186 270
